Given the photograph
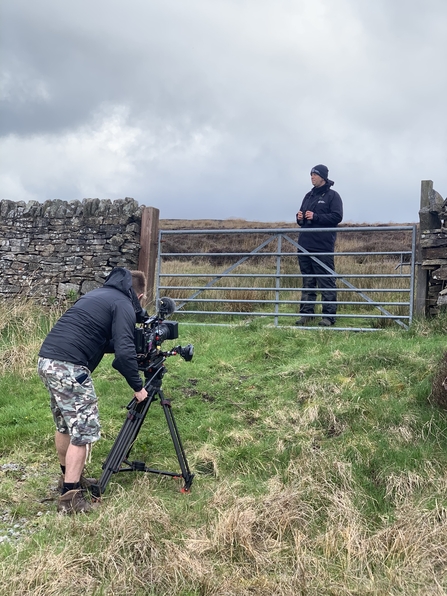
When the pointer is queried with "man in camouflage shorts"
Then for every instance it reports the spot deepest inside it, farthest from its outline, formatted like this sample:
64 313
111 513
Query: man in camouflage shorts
73 400
101 321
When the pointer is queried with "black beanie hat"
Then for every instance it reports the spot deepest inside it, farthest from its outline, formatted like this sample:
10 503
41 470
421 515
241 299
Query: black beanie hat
320 170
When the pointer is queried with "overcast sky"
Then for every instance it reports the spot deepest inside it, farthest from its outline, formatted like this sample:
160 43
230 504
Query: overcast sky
219 108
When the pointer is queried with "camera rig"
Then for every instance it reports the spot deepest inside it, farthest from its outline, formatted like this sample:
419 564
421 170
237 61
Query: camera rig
150 333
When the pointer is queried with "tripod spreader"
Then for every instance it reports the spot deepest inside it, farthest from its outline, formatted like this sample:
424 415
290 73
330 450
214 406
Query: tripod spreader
118 458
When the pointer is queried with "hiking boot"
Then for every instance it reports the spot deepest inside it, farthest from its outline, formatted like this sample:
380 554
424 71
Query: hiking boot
302 321
326 323
74 501
86 483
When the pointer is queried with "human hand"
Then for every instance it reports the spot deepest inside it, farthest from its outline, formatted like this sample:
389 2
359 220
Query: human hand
140 395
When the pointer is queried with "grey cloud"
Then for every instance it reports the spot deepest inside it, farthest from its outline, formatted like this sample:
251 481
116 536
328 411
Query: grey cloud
219 109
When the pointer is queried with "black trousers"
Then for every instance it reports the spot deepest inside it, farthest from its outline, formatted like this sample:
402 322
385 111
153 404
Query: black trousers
310 284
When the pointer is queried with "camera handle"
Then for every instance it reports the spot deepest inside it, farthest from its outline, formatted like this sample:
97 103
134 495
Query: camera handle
117 460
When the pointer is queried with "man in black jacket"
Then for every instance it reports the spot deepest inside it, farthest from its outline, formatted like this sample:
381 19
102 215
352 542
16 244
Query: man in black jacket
322 207
101 321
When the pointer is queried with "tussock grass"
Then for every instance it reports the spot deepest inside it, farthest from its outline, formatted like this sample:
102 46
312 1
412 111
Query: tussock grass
22 327
306 537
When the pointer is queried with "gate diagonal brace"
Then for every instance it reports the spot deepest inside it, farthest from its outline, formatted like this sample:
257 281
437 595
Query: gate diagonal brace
348 284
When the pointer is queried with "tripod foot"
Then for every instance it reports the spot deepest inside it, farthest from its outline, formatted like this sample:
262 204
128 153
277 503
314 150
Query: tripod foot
95 491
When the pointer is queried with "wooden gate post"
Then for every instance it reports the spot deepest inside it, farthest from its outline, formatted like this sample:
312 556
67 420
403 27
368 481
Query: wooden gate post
147 259
421 290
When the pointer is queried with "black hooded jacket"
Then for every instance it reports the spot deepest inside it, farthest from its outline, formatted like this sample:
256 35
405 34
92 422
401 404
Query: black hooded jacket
101 318
327 207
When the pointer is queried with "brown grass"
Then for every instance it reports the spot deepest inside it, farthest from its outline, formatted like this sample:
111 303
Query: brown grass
21 333
308 537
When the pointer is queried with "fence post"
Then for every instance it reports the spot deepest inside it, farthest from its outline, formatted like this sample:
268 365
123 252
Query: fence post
148 247
421 277
426 222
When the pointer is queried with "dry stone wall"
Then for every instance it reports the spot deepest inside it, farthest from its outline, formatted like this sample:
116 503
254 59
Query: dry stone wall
433 247
58 248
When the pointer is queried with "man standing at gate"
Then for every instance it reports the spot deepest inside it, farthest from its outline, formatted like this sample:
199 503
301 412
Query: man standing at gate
322 207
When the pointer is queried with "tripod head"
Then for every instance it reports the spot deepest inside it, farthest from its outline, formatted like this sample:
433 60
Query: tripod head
155 369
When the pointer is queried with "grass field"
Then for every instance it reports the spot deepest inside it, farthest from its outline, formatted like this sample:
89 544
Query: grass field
320 469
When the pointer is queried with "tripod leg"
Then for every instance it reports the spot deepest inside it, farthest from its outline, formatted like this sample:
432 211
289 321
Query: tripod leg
123 443
126 438
186 473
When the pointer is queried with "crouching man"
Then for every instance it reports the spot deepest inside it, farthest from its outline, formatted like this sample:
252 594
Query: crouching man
101 321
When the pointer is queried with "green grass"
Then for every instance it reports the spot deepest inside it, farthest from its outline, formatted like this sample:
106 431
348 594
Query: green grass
319 461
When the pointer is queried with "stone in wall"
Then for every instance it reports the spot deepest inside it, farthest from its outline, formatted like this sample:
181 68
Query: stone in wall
57 248
431 216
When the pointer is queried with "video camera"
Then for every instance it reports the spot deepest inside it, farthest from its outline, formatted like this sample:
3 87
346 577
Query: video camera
153 331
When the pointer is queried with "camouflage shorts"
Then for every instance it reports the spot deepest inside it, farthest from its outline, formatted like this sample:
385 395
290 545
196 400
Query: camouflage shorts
73 399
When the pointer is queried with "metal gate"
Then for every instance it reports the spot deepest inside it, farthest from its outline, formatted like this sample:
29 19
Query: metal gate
228 277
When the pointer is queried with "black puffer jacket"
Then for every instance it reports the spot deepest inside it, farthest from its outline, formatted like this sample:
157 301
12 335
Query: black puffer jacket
327 206
101 318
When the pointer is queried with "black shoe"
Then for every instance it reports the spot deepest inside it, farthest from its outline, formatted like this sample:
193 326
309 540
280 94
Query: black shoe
326 323
302 321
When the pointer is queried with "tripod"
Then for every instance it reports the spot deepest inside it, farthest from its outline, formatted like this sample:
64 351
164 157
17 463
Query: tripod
118 458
